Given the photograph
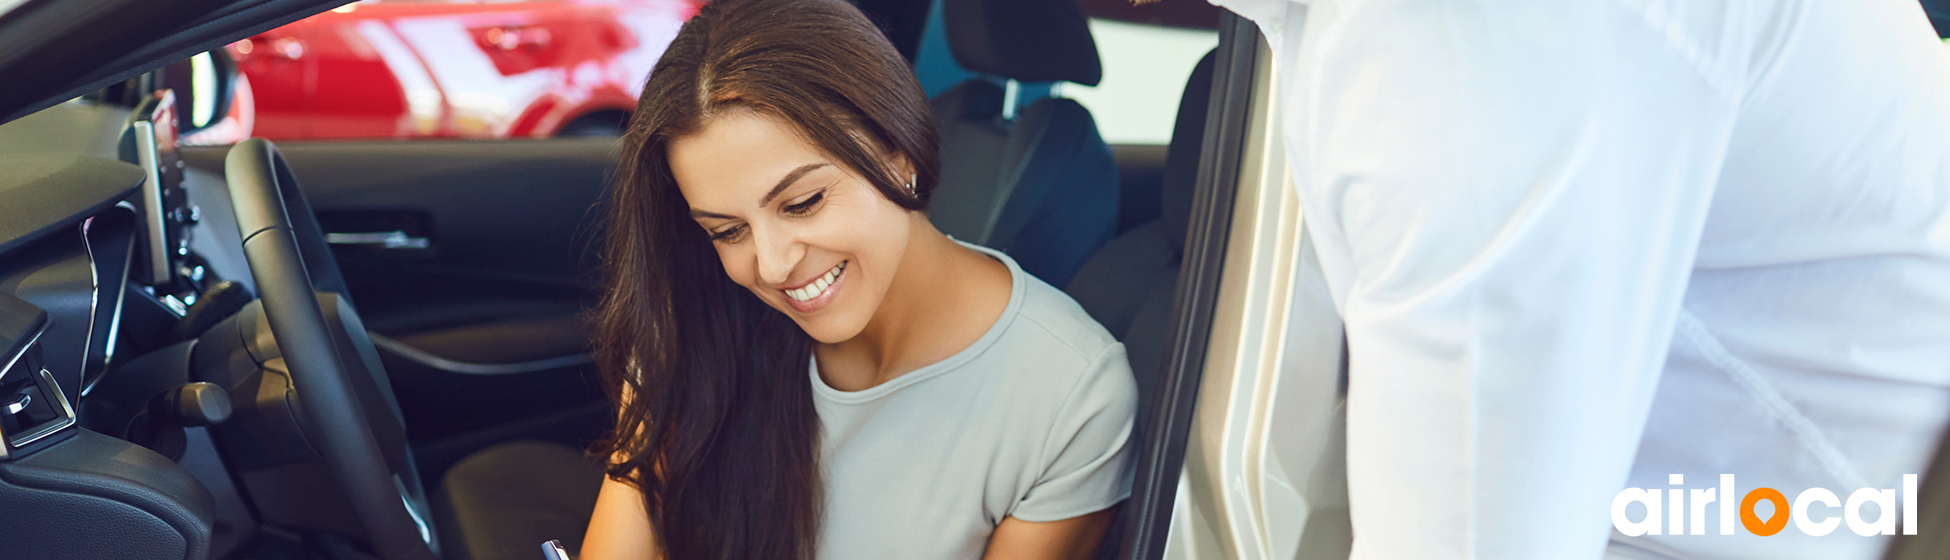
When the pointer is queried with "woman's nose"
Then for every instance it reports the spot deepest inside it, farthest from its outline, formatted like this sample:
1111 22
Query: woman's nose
779 251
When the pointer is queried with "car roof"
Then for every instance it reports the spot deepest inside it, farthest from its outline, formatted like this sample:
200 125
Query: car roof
55 50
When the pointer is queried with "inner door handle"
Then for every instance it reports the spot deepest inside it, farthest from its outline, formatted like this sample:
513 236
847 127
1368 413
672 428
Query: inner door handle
385 239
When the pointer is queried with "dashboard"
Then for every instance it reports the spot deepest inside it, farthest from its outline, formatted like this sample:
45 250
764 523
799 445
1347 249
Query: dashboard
104 251
96 237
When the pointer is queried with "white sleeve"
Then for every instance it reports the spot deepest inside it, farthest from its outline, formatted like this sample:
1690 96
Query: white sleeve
1508 197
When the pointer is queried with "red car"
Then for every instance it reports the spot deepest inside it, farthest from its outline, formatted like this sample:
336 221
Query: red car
452 69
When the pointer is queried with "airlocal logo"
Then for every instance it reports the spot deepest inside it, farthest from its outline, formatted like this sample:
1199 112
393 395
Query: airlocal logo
1800 512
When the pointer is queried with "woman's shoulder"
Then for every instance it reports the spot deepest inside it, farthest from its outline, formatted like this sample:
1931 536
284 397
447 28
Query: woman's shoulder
1064 365
1049 318
1048 341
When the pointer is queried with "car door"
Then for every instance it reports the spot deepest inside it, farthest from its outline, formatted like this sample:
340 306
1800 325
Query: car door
281 80
368 83
1245 452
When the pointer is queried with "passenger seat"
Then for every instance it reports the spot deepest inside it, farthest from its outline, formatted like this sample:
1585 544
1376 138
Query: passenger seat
1039 185
1129 284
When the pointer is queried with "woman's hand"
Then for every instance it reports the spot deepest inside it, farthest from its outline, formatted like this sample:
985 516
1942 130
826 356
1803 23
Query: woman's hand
1075 538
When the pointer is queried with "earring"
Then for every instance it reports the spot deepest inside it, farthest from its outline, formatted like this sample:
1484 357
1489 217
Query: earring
910 185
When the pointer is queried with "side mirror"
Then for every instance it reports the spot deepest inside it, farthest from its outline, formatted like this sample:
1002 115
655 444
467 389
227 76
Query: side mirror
205 86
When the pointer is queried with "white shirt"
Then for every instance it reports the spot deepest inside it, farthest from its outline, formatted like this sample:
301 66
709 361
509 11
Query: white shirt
1580 245
1032 421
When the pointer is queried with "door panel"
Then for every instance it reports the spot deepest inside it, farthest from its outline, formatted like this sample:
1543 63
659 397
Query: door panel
473 261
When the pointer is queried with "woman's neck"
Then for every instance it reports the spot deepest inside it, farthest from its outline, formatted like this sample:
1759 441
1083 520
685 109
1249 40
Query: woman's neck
943 298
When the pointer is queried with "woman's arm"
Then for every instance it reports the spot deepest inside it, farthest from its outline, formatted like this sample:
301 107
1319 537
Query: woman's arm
620 527
1075 538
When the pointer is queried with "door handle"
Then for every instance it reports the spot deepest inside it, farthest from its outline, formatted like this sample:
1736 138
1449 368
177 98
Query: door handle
384 239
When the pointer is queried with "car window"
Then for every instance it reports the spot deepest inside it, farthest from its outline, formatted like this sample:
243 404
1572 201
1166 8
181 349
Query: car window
449 69
1147 52
1145 67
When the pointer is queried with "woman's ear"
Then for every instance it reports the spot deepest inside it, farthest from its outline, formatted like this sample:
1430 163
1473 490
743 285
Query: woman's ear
907 176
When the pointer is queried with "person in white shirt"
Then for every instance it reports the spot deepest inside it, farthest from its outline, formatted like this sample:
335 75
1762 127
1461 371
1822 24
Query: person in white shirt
1583 245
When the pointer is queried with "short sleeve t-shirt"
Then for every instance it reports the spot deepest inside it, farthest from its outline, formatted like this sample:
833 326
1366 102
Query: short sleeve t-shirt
1032 421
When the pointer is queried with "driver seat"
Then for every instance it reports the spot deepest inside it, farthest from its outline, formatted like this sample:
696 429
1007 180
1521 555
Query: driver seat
503 502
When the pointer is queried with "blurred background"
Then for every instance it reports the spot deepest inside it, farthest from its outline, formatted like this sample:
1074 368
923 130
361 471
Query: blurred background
486 69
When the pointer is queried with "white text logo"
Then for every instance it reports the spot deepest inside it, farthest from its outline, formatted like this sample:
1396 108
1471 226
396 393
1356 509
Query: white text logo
1681 505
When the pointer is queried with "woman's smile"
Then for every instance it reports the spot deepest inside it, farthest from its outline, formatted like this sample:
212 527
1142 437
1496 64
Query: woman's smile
813 295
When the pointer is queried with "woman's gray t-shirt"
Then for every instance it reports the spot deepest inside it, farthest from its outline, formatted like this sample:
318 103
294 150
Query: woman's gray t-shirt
1032 421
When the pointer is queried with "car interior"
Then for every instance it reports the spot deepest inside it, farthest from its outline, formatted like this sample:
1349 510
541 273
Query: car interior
328 350
158 340
1037 182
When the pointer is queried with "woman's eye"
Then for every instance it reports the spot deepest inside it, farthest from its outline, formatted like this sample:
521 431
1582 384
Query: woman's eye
805 207
728 235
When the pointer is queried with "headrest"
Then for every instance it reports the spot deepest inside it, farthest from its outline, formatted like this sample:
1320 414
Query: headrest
1181 158
1023 40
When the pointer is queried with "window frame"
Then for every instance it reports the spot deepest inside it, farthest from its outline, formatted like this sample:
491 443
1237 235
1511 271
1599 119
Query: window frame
1161 457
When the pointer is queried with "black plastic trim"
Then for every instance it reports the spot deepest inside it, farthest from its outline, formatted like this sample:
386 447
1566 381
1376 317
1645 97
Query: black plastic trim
428 359
87 472
20 324
216 24
1161 460
44 193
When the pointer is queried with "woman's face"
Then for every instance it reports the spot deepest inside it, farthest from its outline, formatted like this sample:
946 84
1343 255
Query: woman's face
808 236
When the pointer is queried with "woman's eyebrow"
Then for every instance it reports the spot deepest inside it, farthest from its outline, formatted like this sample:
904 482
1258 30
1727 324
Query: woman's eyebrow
787 181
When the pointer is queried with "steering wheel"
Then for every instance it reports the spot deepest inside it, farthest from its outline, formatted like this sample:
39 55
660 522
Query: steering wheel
348 412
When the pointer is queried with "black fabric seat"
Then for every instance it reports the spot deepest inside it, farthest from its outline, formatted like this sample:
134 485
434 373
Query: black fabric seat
1129 284
1039 184
503 502
496 332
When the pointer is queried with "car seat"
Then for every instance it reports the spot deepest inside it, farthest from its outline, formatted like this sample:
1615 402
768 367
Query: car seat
1128 285
1038 184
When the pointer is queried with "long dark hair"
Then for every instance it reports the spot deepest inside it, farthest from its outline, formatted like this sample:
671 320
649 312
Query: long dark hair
716 422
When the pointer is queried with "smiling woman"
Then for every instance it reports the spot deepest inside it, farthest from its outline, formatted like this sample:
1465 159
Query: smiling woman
803 365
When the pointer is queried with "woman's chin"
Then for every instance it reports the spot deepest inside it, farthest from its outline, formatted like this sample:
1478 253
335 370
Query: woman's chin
829 329
830 324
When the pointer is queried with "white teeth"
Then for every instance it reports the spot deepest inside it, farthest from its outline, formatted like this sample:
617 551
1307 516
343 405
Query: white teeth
818 286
